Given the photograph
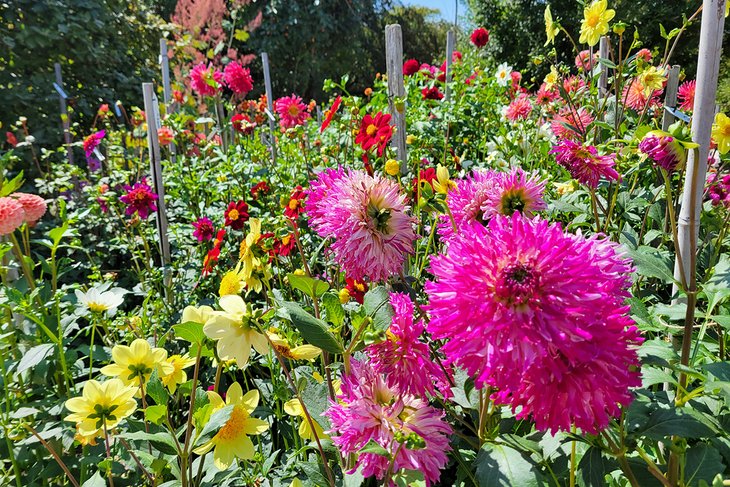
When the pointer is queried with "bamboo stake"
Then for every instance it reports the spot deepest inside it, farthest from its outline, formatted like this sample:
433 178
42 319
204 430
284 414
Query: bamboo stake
450 42
603 54
269 104
396 89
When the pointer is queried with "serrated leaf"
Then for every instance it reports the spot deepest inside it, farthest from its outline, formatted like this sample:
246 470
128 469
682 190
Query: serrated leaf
155 389
674 422
308 285
314 331
650 262
190 332
377 305
155 414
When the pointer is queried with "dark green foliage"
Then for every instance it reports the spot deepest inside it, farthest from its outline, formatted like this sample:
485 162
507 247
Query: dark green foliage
106 48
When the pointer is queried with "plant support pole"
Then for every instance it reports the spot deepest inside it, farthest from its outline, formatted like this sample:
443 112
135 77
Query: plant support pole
450 42
396 90
670 97
269 104
64 113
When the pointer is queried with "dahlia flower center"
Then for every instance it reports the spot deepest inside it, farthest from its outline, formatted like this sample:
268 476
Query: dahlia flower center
234 426
593 19
103 413
379 217
371 129
517 284
97 307
726 130
138 370
293 110
233 214
140 196
513 201
293 203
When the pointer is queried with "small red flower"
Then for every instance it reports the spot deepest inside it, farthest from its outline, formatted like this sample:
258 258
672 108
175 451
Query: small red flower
432 93
411 67
165 135
11 139
236 214
356 289
284 246
330 113
294 206
427 176
261 188
242 124
480 37
375 131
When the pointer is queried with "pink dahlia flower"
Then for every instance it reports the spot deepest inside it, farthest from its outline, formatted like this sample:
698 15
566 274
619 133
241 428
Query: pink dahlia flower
203 229
292 112
33 205
413 432
405 360
205 80
465 203
519 109
718 189
686 95
522 295
367 217
635 95
512 192
12 215
139 199
664 150
584 164
546 95
569 124
583 60
238 78
92 141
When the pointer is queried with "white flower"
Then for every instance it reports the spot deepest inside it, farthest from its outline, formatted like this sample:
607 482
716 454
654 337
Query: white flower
100 299
503 74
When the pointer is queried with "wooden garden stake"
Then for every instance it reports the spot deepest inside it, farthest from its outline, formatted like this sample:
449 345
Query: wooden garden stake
165 68
450 42
396 90
670 97
269 104
62 96
603 54
152 109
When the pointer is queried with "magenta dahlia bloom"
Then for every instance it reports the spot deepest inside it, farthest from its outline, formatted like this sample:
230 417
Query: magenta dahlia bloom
664 150
203 229
516 191
514 299
407 427
403 359
367 217
686 95
238 78
718 189
205 80
139 199
292 112
92 141
584 164
465 203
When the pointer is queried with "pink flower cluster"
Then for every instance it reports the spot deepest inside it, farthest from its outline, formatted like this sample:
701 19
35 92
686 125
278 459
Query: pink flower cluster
584 164
540 315
410 430
367 217
19 208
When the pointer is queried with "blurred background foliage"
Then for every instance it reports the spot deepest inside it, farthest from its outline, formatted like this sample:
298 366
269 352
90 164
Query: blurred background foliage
108 47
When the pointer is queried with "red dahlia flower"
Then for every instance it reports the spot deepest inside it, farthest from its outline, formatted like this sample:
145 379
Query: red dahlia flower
236 214
375 131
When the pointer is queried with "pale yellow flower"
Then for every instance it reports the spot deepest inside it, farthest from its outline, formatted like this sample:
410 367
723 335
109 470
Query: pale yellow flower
101 405
254 271
443 183
301 352
294 407
135 363
232 440
178 375
721 132
551 78
595 22
230 328
652 79
197 315
551 27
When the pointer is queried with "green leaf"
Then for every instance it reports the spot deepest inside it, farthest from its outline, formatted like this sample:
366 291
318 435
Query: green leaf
57 234
34 356
377 305
316 398
155 389
162 441
502 466
650 262
334 309
12 186
313 330
215 423
308 285
190 332
155 414
374 448
674 422
593 468
702 463
95 480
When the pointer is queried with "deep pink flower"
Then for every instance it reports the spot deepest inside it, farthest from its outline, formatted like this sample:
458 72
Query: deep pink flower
92 141
686 95
236 215
718 189
413 432
238 78
584 164
243 124
139 199
405 360
515 191
521 302
203 229
480 37
375 132
205 80
410 67
664 150
292 112
432 93
546 96
519 109
583 60
367 217
465 203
